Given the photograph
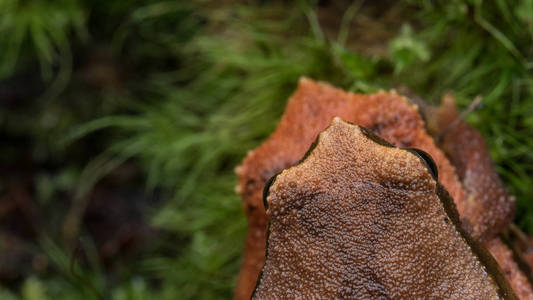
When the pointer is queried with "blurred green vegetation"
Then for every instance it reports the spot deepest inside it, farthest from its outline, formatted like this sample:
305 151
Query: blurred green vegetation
180 91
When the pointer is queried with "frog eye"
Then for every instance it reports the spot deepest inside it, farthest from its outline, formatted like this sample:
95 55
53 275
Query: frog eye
266 190
430 163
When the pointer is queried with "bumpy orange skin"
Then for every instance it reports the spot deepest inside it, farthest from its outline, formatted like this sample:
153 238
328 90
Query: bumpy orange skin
504 257
309 111
359 219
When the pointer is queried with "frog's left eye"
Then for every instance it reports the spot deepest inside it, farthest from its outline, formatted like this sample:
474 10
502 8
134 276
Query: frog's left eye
428 160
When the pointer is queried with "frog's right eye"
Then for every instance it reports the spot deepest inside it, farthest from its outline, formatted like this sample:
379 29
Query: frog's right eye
428 161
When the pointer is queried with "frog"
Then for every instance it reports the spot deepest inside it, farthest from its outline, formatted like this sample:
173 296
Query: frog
358 218
394 118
